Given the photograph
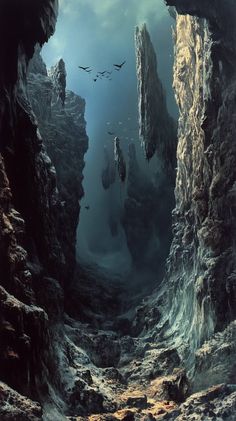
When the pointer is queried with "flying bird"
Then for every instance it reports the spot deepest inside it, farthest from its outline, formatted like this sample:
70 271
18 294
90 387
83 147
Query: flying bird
95 80
119 66
102 73
87 207
84 68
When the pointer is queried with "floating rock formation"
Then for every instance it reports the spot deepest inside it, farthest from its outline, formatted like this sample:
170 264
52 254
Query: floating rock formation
147 215
119 159
157 128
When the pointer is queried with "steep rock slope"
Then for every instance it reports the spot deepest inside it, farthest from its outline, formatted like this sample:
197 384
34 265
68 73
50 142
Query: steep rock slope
60 116
35 256
28 185
198 297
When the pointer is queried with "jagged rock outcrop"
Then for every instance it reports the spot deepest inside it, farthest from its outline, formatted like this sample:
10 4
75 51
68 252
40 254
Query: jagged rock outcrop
199 298
28 196
38 212
58 76
60 116
14 406
218 402
157 128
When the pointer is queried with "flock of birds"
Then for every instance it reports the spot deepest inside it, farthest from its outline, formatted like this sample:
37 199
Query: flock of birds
105 74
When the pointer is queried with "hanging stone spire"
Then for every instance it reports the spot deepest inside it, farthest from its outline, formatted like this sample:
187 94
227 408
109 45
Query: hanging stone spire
156 127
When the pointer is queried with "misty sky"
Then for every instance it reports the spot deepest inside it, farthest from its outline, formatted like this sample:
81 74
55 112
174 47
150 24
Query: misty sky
98 33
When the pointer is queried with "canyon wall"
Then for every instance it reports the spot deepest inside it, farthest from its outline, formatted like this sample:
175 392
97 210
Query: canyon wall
27 230
201 290
60 116
38 210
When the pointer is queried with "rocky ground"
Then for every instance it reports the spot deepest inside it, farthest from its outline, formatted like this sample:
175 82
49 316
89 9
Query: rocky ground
114 366
111 372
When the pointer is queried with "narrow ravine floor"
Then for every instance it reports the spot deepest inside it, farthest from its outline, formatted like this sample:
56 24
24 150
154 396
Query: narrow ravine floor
110 373
113 368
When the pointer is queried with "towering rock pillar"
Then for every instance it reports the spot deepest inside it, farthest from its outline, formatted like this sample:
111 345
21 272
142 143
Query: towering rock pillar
151 200
157 128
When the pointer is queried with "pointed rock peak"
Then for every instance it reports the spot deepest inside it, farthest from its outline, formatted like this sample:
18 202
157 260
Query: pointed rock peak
36 64
58 76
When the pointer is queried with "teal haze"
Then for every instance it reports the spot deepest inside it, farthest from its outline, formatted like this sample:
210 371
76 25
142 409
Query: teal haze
98 34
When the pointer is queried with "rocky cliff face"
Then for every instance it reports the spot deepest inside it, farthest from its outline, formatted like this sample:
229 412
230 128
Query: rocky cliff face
36 249
201 266
27 229
60 116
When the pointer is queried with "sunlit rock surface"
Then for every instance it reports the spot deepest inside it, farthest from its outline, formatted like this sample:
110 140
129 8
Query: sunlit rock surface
157 128
198 295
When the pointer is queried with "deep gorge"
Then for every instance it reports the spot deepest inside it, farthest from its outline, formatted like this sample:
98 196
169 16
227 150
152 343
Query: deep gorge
155 339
